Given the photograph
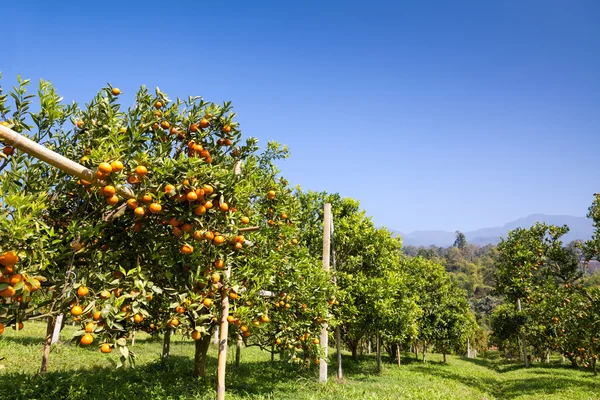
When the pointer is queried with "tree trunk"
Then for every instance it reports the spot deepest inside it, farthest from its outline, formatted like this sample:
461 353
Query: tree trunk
444 355
573 362
369 349
166 344
378 353
353 344
273 353
202 346
216 337
398 355
47 343
424 350
417 350
238 351
594 365
133 338
306 358
468 348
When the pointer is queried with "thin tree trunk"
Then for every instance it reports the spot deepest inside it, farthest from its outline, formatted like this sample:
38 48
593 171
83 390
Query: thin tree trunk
369 349
378 353
306 358
273 353
166 344
47 343
133 338
417 350
216 337
444 354
353 344
468 348
424 350
398 355
238 351
202 346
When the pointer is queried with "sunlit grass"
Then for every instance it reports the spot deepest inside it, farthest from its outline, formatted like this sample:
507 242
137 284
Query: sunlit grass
85 373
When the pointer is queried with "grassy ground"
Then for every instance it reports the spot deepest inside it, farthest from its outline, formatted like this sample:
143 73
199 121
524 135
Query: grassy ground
85 373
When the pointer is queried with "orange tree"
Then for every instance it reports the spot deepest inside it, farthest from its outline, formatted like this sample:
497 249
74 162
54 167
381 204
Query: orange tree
299 291
156 260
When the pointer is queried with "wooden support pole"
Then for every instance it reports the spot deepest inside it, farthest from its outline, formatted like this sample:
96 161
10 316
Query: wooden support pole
523 341
42 153
223 333
326 260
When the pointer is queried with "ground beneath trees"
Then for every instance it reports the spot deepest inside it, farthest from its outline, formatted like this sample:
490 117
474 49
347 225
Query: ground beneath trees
85 373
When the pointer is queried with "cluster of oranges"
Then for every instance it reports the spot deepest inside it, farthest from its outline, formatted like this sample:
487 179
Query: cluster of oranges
16 286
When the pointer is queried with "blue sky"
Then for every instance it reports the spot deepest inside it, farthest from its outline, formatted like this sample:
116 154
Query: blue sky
434 114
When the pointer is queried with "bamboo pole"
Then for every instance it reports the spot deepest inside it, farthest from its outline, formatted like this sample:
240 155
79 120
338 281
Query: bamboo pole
26 145
326 260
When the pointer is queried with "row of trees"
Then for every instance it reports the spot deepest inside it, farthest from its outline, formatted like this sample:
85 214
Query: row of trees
186 227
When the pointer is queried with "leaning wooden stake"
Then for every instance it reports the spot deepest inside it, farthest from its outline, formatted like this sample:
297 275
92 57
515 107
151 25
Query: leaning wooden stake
326 256
26 145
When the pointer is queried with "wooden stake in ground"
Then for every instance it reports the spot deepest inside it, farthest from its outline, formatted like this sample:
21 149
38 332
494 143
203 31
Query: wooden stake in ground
326 256
523 341
26 145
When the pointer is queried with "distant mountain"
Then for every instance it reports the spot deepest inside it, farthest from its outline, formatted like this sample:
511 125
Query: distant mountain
581 228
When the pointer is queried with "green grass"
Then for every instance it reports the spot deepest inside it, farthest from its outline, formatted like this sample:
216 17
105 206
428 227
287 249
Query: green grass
85 373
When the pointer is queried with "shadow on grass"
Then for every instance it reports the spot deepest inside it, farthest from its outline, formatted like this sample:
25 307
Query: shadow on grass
170 379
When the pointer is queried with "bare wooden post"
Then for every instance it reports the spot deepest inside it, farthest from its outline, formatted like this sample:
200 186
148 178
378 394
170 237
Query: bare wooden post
133 338
326 260
523 341
57 327
223 333
42 153
238 351
468 348
398 355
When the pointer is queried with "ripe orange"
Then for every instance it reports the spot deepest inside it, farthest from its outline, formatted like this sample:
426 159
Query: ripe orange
230 319
8 150
265 318
109 190
186 227
208 205
79 124
316 341
209 235
97 315
169 188
224 207
1 328
196 335
219 239
208 190
180 309
86 339
198 235
200 210
139 211
105 294
82 291
35 285
191 196
215 277
117 166
76 311
105 168
141 171
244 328
115 92
89 327
207 302
9 258
158 105
177 232
165 125
133 180
132 204
174 222
226 129
8 292
187 249
113 200
240 239
204 123
138 318
246 334
245 220
294 241
173 322
16 278
155 208
271 194
219 264
147 198
19 326
106 348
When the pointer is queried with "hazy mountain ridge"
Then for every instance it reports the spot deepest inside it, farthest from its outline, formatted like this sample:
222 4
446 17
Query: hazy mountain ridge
581 228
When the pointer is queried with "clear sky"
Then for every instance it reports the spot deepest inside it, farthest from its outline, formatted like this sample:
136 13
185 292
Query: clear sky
434 114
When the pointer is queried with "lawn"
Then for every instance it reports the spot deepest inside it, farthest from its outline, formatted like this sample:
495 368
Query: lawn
85 373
